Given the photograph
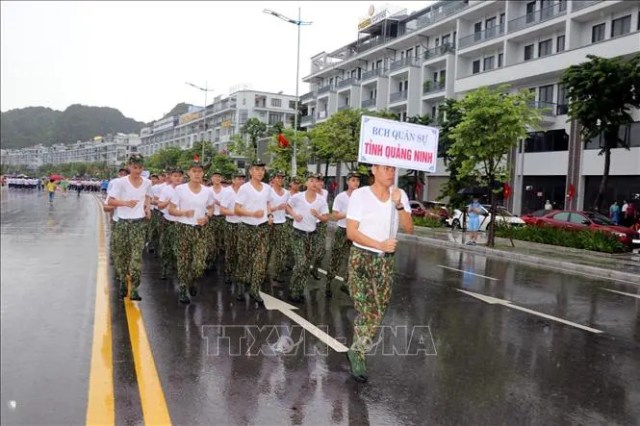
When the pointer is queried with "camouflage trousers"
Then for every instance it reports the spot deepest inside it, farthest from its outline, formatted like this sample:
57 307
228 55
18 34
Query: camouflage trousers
339 253
167 241
128 243
215 237
191 252
289 252
279 242
252 247
153 229
319 244
231 269
302 245
370 281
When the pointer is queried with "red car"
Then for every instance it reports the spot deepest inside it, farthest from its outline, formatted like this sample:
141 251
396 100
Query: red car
584 220
532 218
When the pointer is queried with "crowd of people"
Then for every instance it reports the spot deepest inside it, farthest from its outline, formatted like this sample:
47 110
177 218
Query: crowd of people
251 225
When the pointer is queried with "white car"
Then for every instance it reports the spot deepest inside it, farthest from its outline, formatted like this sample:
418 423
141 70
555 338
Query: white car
503 216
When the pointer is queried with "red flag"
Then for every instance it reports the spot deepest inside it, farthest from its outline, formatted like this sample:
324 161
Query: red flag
196 158
572 191
506 190
282 141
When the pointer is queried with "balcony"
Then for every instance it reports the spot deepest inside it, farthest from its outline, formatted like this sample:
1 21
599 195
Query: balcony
481 36
562 109
403 63
307 96
537 17
431 87
581 4
326 89
368 75
307 120
434 52
440 13
348 82
369 103
343 107
321 115
547 109
398 96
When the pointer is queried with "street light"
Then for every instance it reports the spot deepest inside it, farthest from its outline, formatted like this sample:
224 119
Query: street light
298 23
206 90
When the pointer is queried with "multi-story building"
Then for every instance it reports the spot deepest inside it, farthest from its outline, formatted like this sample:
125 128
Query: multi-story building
111 149
409 63
221 121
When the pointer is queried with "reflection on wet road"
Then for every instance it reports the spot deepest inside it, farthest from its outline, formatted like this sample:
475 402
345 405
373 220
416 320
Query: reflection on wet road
219 361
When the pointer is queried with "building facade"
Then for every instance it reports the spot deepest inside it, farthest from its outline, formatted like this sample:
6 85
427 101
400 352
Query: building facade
111 149
409 64
219 122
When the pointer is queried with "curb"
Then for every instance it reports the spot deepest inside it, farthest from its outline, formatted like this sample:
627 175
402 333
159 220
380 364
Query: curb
591 271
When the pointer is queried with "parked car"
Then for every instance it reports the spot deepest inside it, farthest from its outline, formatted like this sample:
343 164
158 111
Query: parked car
429 209
503 216
531 218
589 221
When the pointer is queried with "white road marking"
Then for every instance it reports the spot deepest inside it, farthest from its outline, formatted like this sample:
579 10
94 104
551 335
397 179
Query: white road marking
466 272
508 304
622 293
273 303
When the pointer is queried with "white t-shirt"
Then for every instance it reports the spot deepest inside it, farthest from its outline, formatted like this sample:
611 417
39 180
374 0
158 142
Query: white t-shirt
123 190
291 194
325 195
155 192
165 195
114 213
341 205
252 200
279 216
375 217
217 196
228 201
185 199
301 206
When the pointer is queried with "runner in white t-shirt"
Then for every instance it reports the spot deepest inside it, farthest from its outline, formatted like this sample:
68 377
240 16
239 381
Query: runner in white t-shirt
131 195
252 205
153 230
320 242
306 208
294 188
216 225
279 239
189 204
373 217
111 210
232 267
167 223
341 244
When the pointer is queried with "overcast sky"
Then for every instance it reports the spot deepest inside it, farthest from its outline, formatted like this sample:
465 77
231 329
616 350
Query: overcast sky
137 56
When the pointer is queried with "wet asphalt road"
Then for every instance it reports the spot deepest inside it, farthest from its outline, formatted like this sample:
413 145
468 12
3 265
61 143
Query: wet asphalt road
477 363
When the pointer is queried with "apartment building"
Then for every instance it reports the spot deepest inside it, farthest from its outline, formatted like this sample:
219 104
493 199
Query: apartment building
110 149
410 62
219 121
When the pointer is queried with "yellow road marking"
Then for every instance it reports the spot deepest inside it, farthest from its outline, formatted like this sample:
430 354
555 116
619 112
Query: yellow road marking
154 405
100 404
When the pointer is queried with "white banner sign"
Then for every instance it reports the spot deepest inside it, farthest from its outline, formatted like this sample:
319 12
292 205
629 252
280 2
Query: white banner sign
394 143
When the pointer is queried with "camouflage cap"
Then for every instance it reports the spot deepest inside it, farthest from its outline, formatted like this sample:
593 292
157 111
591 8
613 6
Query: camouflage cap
136 159
177 170
353 174
215 172
296 180
240 173
258 163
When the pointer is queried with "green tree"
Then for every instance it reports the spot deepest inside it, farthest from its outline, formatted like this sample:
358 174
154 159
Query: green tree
281 156
246 143
164 159
416 176
187 156
491 123
601 92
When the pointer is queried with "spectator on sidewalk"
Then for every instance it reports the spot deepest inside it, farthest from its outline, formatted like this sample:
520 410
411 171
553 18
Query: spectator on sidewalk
548 206
630 214
614 213
474 209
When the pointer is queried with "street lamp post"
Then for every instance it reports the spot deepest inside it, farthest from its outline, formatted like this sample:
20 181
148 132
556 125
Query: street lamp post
298 23
206 90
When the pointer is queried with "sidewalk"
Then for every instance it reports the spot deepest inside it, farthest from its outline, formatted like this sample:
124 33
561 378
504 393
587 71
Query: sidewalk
624 266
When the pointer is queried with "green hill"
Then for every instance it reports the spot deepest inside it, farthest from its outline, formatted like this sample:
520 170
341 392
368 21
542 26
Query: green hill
34 125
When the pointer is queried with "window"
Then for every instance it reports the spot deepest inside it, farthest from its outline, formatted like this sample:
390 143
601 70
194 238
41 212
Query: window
476 67
560 44
292 104
562 5
597 33
578 219
544 48
531 7
409 52
437 41
443 76
500 60
563 217
446 39
621 26
477 31
546 9
275 102
502 17
528 52
488 63
433 111
562 101
489 25
545 95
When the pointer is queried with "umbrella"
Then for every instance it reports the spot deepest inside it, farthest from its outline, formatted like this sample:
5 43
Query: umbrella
55 177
